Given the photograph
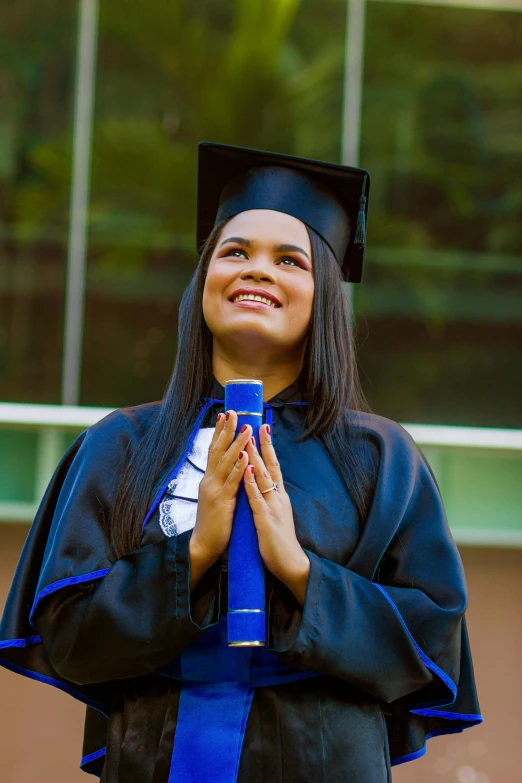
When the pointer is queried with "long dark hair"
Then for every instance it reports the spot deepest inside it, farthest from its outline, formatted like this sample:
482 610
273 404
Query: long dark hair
330 379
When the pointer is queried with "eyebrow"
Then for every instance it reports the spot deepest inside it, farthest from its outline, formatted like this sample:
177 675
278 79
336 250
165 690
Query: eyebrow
278 248
239 240
289 248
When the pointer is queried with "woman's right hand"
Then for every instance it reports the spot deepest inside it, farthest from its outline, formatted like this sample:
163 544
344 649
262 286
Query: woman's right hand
227 461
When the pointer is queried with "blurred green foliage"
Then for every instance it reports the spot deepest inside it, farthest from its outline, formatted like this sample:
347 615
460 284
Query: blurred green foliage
438 314
170 74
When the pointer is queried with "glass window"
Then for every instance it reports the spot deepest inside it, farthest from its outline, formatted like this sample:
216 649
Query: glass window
439 314
37 45
169 75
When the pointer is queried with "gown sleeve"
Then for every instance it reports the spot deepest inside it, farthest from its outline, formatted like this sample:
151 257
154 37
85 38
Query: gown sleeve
132 621
391 620
77 617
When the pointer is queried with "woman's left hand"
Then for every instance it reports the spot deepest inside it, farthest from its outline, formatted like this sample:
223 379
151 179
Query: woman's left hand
282 553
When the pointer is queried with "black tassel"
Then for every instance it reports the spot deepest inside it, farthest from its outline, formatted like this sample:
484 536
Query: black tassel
360 231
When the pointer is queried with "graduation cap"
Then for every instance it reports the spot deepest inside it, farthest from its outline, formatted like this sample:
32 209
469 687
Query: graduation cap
330 198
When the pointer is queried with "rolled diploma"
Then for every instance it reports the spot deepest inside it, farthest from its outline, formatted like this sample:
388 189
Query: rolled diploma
246 618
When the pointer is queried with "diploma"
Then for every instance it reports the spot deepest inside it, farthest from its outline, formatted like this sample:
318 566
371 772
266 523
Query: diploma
246 618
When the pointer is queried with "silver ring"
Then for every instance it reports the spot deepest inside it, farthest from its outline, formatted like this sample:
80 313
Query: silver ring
276 486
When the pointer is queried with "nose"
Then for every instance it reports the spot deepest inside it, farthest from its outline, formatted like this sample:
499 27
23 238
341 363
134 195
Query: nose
258 271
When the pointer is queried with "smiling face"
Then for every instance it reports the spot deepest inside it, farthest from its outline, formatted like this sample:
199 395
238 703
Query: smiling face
270 252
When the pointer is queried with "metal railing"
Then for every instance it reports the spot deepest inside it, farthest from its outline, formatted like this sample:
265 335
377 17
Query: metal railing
479 469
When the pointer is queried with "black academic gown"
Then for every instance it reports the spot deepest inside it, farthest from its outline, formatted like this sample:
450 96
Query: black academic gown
382 624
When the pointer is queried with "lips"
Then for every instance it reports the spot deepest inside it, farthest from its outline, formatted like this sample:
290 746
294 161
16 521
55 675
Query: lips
252 305
255 292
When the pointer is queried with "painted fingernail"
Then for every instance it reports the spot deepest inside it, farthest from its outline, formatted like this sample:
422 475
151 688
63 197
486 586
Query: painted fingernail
268 429
227 417
253 442
243 428
220 416
251 470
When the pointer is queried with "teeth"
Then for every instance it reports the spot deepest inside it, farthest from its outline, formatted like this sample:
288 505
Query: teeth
254 298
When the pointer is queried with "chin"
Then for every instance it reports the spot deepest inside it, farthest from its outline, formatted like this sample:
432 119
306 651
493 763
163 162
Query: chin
252 333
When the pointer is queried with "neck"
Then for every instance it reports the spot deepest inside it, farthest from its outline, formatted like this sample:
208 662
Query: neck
276 374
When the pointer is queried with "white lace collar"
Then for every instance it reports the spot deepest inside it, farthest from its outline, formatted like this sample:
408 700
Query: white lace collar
178 508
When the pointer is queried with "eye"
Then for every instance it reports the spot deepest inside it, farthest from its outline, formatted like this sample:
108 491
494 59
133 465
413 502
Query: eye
293 260
236 252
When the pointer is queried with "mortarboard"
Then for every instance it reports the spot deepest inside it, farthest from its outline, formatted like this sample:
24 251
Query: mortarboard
330 198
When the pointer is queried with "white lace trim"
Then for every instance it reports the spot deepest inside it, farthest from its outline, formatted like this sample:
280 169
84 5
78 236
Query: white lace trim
176 513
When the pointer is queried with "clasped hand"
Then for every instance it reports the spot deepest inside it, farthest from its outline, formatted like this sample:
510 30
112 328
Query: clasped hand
230 459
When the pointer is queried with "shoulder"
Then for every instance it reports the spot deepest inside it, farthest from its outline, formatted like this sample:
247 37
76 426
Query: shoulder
379 426
388 437
137 418
123 427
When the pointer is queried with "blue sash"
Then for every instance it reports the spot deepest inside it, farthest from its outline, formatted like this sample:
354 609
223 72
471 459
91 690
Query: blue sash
218 684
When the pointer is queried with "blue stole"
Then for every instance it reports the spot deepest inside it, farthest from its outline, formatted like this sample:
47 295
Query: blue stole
216 694
218 684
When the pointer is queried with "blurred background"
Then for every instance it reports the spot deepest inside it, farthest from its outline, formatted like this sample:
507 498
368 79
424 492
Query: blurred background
101 108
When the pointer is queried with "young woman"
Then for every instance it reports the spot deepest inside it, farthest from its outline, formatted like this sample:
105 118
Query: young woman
121 591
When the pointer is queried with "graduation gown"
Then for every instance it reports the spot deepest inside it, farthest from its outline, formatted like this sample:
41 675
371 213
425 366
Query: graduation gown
382 627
